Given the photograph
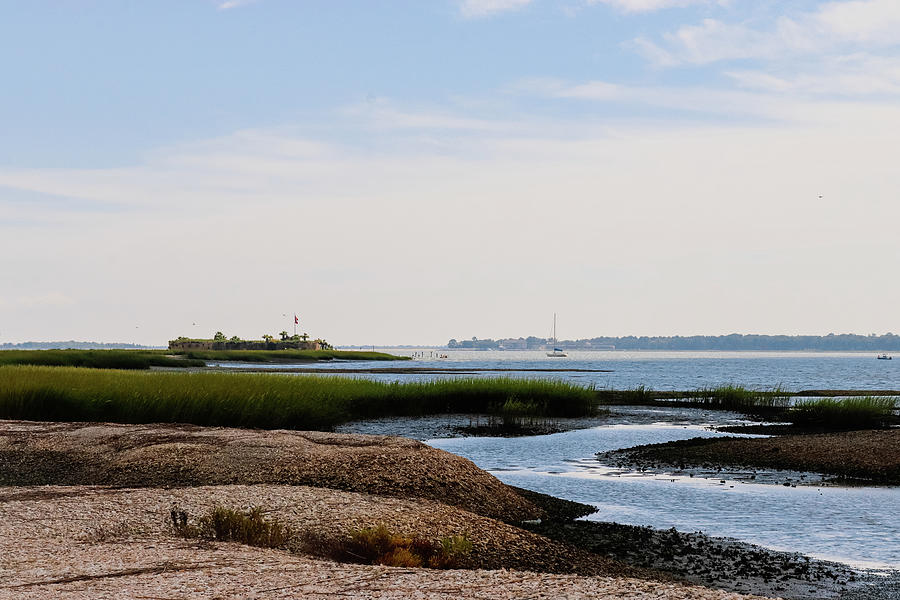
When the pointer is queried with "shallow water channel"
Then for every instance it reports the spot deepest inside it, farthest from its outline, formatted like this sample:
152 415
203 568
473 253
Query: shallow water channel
858 526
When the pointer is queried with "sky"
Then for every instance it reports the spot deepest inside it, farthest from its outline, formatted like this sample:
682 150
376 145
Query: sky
406 172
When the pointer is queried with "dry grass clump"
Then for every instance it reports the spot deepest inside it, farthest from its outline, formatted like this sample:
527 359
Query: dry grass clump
372 546
378 546
226 525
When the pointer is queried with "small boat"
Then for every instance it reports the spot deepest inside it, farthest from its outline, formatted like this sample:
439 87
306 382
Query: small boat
557 352
884 357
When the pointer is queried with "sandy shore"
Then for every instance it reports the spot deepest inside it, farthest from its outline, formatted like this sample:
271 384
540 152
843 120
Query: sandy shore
91 542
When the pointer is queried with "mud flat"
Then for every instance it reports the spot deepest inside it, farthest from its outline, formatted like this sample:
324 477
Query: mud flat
859 457
725 563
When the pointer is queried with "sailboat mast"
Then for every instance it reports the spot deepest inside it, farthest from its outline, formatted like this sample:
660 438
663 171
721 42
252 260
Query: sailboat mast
556 350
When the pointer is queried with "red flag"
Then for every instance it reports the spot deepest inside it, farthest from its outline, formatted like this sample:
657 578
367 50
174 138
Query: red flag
296 320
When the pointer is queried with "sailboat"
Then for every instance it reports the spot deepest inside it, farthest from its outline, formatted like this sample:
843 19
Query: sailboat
557 352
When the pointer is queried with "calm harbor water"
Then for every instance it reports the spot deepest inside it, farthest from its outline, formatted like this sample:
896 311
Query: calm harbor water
794 371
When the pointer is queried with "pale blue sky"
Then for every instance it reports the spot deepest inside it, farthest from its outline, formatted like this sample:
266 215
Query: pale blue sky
407 172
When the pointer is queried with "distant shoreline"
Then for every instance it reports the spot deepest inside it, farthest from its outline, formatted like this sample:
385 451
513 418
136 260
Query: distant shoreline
843 342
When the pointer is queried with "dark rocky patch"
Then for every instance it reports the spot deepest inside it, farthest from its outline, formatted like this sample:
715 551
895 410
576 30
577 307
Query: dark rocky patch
714 562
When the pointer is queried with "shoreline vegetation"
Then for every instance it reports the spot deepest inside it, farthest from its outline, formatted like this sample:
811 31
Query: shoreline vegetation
146 359
272 401
778 411
514 406
844 342
807 410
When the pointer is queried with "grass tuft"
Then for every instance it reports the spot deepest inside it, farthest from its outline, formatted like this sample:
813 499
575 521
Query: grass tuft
378 546
865 412
96 359
226 525
373 546
739 398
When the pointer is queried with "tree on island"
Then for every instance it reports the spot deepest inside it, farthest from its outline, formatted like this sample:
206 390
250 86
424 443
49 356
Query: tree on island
267 337
284 335
235 339
219 337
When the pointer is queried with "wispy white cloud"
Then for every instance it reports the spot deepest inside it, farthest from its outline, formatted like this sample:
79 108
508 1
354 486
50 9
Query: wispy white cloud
699 101
641 6
851 75
229 4
485 8
713 40
473 9
868 21
383 114
832 27
840 49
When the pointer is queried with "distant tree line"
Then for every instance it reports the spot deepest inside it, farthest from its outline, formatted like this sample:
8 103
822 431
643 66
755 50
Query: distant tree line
734 341
70 344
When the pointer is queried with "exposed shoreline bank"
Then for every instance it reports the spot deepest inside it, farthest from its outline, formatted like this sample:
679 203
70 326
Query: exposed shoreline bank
850 457
724 563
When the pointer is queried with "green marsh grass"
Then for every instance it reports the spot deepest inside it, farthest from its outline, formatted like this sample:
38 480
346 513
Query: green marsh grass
726 397
96 359
144 359
267 401
638 395
864 412
735 397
